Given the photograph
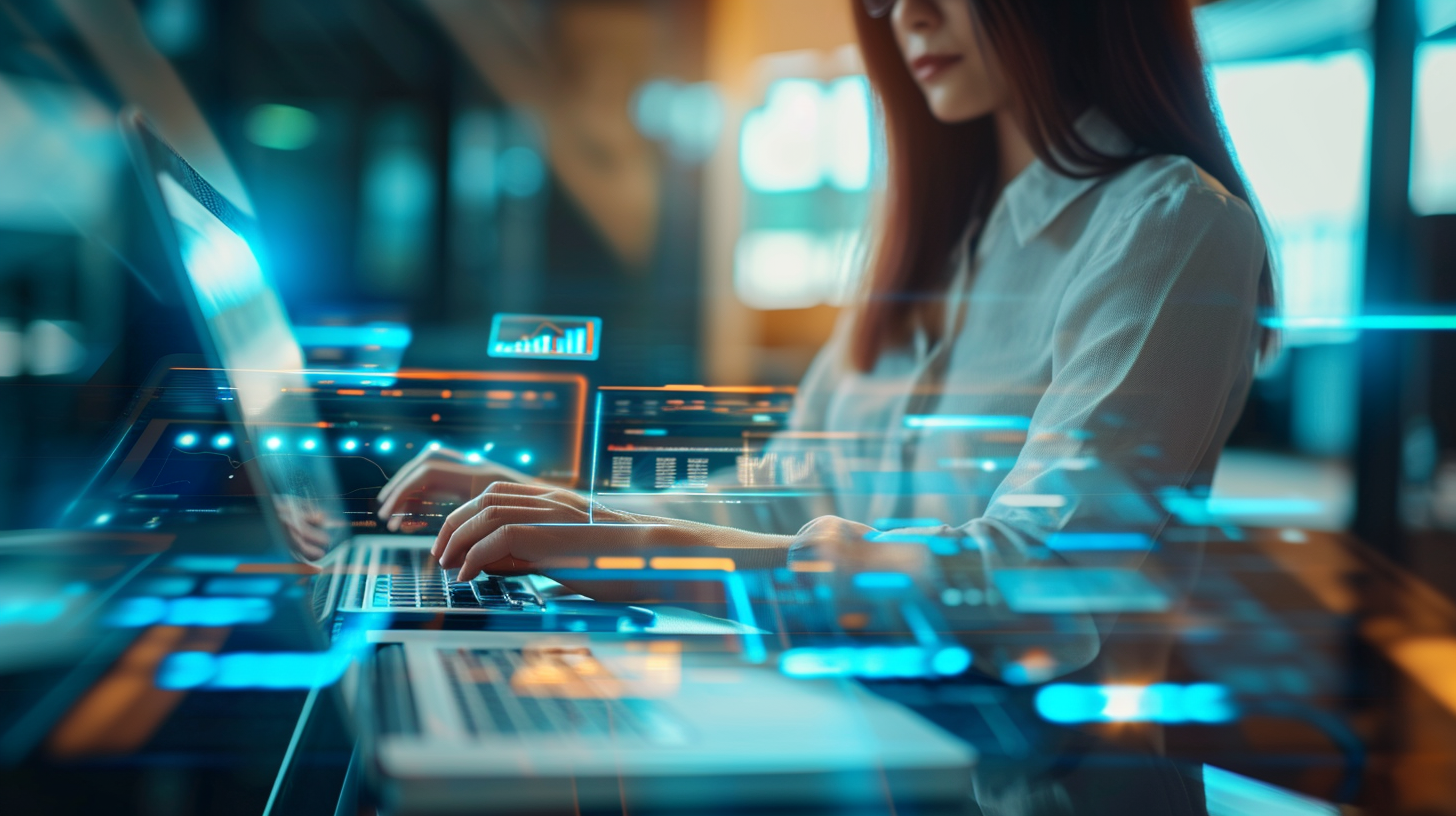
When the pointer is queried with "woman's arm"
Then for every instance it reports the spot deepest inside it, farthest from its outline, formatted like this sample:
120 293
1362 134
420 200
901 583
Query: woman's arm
1152 362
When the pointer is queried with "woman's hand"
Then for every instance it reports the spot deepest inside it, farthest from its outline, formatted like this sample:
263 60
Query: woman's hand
307 528
442 473
517 528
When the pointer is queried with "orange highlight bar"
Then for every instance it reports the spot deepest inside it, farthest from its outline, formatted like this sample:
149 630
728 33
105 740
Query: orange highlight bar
620 563
500 395
811 566
719 564
277 568
351 392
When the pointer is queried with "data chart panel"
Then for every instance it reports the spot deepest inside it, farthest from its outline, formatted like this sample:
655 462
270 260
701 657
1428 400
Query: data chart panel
545 337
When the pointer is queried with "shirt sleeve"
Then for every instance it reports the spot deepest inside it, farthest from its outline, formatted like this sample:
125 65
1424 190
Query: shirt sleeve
1152 360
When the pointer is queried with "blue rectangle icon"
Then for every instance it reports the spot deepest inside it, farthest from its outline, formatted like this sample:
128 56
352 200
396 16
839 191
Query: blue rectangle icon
1058 590
1091 542
545 337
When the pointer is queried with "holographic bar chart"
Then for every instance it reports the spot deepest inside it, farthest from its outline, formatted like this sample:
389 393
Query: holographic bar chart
545 337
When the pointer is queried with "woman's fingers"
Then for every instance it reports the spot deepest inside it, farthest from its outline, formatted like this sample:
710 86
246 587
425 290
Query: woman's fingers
422 460
403 479
532 497
495 550
502 510
434 473
506 494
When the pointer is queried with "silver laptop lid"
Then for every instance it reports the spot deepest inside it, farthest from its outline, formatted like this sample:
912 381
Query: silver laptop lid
215 252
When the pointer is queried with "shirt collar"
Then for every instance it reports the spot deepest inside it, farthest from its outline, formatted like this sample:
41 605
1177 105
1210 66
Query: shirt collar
1039 194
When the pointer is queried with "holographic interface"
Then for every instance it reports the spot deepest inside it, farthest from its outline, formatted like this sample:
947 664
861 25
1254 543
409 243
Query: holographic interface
545 337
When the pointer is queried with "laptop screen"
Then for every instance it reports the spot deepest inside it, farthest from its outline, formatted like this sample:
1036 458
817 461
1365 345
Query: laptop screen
247 332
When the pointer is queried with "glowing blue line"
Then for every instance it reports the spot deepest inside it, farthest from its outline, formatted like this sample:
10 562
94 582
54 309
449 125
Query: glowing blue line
292 746
891 523
968 422
591 499
1084 542
1366 323
586 574
753 648
921 627
710 494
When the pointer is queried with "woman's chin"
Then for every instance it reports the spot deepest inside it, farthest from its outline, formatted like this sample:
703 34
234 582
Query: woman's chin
952 108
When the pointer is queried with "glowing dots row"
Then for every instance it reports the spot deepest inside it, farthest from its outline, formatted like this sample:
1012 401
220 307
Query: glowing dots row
189 439
1160 702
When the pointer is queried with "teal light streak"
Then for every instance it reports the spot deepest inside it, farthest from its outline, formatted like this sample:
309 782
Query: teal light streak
1366 323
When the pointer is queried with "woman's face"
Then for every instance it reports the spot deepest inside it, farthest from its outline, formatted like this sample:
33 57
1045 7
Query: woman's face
939 42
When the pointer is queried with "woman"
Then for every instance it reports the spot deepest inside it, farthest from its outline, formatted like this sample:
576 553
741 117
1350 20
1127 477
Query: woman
1059 319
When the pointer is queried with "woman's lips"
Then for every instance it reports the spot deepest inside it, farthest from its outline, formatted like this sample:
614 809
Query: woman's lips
930 66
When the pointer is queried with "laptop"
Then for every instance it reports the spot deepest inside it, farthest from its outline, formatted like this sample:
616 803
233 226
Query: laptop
515 721
289 451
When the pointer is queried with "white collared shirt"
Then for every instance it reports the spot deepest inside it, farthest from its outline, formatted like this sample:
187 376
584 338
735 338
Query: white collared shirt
1098 350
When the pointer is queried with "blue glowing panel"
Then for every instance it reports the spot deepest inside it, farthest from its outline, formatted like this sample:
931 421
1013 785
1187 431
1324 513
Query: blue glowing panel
550 337
875 661
252 670
1091 542
1170 703
1228 794
968 422
244 585
206 563
189 611
1053 590
882 581
384 335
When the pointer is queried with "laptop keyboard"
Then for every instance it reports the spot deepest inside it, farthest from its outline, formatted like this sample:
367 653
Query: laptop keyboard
502 692
416 582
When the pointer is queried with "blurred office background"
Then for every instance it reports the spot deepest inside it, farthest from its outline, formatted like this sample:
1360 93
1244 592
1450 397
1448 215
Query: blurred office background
697 174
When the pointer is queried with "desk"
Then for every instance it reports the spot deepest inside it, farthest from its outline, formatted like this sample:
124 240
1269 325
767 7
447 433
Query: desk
1339 660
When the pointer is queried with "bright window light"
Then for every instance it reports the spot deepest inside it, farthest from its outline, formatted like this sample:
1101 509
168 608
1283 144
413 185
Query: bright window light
780 143
1433 162
1300 127
808 134
792 269
847 133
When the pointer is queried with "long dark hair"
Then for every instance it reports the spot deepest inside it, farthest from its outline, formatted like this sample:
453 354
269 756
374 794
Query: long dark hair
1137 61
